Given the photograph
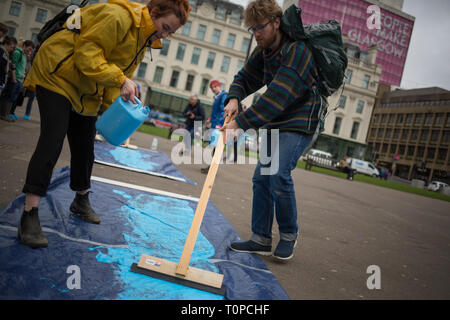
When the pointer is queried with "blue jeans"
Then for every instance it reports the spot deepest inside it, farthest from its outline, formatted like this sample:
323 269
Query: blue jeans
274 193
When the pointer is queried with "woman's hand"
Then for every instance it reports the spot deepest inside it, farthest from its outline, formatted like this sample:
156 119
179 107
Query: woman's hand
129 90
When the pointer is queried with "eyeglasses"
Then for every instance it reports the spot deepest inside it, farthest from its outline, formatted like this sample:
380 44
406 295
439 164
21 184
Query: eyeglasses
253 30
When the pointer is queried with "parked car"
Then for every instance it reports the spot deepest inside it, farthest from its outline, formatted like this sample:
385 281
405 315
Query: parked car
365 167
319 157
436 185
159 119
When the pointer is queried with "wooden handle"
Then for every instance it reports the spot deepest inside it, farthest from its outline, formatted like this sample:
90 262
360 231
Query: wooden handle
183 264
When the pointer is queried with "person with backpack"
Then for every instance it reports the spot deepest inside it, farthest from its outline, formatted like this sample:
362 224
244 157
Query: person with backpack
192 112
289 105
20 60
75 73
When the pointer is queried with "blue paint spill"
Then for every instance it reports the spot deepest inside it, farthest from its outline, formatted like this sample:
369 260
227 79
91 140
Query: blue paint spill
156 226
133 158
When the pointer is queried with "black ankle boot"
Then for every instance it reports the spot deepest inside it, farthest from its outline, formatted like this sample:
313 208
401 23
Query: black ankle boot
29 231
81 207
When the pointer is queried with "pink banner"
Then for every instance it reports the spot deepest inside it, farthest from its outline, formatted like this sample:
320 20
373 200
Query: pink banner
392 38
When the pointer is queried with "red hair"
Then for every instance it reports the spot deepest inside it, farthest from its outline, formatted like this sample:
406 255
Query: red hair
161 8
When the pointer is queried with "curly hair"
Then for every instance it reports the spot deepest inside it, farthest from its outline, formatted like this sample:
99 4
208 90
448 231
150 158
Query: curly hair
259 10
161 8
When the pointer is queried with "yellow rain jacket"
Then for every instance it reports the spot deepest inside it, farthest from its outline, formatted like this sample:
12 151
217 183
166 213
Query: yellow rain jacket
90 67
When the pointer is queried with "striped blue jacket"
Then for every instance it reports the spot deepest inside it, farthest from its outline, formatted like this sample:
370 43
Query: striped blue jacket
289 102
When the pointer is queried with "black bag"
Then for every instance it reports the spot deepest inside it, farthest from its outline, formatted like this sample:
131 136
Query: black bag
56 24
325 42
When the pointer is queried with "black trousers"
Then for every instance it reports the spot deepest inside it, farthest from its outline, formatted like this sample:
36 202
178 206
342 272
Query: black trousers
58 120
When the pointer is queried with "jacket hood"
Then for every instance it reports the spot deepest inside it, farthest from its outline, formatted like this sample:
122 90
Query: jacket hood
141 17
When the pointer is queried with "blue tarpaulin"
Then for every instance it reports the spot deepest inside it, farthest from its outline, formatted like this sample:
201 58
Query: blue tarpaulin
145 161
133 222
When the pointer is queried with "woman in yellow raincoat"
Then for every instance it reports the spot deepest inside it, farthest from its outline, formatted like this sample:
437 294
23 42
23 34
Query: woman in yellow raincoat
75 74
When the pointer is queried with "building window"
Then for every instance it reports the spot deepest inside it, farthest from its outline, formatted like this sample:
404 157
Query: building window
342 100
405 134
393 148
414 135
360 106
396 134
180 51
142 70
201 32
216 36
376 118
380 133
14 10
384 148
348 75
230 41
418 119
410 151
189 82
337 125
235 17
442 154
174 78
420 152
221 13
391 118
388 134
400 118
409 118
165 47
239 65
401 149
225 64
424 135
245 44
445 136
204 86
196 55
439 119
187 28
434 135
430 153
193 4
366 80
41 15
157 77
428 119
210 60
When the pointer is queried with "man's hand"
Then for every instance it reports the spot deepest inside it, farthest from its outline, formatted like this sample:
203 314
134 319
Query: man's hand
230 131
231 108
129 90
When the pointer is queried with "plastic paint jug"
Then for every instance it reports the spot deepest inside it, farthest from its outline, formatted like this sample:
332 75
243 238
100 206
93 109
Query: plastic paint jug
121 119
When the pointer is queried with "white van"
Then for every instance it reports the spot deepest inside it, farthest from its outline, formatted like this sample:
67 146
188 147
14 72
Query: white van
365 167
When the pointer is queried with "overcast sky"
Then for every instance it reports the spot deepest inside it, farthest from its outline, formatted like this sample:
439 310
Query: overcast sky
428 60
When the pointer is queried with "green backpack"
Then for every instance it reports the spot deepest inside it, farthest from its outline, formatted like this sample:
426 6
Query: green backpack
324 39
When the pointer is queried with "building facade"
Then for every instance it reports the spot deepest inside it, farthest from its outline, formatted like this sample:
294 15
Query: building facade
214 44
410 133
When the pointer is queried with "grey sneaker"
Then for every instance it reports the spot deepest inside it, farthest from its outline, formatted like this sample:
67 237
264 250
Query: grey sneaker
251 247
285 249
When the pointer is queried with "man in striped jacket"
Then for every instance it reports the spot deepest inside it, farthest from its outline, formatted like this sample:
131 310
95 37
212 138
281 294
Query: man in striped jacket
290 105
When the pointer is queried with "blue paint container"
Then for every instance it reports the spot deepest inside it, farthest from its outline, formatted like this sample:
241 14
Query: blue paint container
121 119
